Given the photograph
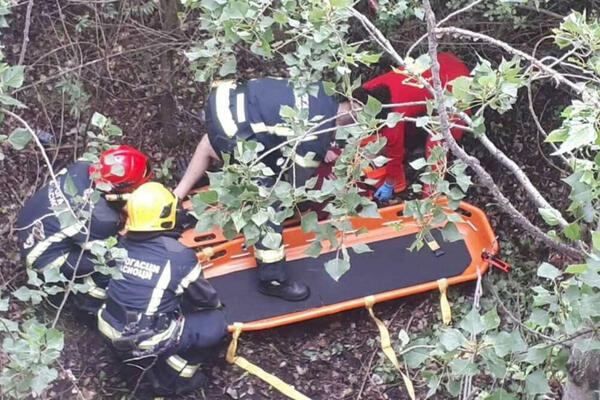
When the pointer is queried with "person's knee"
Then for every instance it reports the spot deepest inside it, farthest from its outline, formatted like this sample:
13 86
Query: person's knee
206 328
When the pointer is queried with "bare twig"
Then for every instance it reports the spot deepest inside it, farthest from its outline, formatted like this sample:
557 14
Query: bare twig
45 156
558 77
442 22
26 33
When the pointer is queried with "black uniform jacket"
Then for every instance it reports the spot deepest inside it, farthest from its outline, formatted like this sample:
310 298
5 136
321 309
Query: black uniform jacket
44 241
159 273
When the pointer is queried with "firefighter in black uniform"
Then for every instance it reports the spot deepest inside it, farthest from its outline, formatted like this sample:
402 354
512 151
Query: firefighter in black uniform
162 312
51 236
251 111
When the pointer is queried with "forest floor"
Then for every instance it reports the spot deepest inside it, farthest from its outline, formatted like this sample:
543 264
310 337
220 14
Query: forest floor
335 357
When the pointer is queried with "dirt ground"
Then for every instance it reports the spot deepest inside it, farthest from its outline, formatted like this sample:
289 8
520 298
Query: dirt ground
335 357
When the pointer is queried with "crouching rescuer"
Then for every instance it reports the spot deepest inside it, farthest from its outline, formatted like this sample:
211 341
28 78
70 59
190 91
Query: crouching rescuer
162 314
60 223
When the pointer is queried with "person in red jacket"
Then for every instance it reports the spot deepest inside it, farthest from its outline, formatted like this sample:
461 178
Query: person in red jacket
391 88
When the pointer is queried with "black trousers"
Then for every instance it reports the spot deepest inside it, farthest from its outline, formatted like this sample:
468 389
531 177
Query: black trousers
200 343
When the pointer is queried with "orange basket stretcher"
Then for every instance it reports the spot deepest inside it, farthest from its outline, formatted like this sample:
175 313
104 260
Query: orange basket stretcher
390 272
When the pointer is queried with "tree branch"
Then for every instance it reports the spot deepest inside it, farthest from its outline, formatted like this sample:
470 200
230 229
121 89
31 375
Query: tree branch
26 32
473 162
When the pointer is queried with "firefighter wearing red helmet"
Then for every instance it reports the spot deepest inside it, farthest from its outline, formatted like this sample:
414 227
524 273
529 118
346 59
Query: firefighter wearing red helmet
52 238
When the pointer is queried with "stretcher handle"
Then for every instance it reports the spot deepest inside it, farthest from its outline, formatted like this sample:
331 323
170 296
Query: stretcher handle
496 261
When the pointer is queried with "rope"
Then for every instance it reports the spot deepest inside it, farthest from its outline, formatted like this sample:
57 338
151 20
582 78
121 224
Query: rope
386 346
255 370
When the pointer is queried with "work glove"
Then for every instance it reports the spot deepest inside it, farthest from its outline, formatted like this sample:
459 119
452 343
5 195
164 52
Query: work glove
385 192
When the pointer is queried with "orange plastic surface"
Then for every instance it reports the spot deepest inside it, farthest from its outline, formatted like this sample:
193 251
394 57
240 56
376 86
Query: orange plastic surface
231 256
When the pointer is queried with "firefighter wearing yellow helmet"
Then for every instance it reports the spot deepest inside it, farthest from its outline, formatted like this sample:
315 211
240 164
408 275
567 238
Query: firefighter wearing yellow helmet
143 315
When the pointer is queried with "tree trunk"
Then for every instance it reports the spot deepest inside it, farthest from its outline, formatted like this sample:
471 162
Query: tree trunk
170 24
584 376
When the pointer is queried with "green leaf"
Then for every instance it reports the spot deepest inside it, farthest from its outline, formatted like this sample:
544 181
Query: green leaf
418 355
548 271
452 339
573 231
361 248
537 354
380 161
4 304
13 77
419 12
309 222
272 240
287 112
418 163
52 275
370 211
505 343
208 196
536 383
98 120
11 101
580 134
596 240
314 250
373 106
69 186
491 320
393 118
55 339
450 233
42 379
19 138
576 269
7 325
238 220
539 317
472 323
550 215
228 67
462 367
260 218
337 267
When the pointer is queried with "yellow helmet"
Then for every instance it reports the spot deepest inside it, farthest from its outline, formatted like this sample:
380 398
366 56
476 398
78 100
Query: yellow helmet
151 207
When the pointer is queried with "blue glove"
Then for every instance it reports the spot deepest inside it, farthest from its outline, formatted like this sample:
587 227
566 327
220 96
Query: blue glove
384 193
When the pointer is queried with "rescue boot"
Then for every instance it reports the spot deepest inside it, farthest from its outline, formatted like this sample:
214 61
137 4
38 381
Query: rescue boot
287 290
176 386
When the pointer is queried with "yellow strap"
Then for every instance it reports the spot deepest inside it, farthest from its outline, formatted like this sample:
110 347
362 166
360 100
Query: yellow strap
386 346
444 304
246 365
208 252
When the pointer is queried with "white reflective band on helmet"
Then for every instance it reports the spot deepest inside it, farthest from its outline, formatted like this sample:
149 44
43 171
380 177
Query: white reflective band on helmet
279 130
223 110
240 107
159 289
58 237
181 365
105 328
189 278
94 290
270 256
307 161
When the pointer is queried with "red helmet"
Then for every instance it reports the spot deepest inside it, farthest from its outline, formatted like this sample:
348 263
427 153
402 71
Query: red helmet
136 169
